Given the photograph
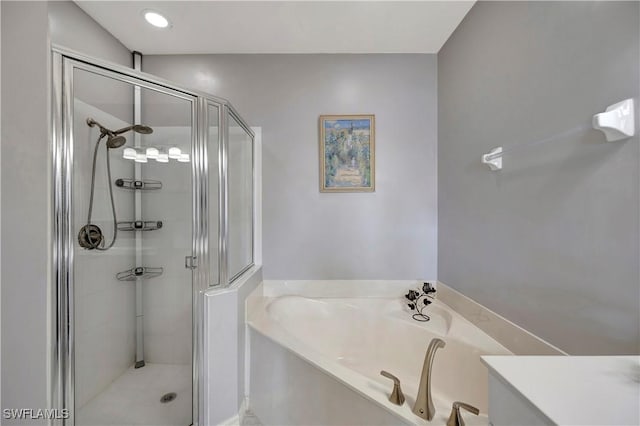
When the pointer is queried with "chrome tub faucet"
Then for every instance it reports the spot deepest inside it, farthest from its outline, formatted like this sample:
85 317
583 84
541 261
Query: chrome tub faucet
424 403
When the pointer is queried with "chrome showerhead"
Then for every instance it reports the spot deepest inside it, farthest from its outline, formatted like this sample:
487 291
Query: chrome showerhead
144 130
116 141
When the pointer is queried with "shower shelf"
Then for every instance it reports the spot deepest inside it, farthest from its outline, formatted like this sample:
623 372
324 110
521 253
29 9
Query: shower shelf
140 225
144 185
139 272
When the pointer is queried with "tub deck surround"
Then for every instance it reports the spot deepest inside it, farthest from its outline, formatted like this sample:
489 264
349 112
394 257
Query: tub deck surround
351 330
512 336
573 390
339 288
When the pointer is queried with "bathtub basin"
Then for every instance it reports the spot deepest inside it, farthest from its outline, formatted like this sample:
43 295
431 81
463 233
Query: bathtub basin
345 342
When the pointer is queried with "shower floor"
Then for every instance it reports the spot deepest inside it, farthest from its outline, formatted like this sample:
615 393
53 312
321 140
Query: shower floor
134 398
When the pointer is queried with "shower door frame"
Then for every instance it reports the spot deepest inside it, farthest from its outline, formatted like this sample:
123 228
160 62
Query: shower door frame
61 328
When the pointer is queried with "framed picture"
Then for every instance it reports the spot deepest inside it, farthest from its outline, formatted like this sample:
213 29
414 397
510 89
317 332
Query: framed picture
347 153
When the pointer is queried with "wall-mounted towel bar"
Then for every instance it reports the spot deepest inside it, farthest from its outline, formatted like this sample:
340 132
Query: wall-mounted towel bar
617 123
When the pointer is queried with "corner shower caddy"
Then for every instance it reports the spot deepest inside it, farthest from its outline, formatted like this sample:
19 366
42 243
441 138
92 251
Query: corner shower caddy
143 185
140 272
140 225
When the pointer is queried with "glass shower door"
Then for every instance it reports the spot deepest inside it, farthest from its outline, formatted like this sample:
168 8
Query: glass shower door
132 222
240 158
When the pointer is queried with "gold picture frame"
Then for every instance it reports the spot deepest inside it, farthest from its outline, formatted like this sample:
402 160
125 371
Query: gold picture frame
347 153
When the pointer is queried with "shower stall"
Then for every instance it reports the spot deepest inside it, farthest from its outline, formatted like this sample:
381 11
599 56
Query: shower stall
153 204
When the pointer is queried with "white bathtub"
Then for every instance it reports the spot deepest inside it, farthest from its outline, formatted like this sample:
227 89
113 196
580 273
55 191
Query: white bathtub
318 360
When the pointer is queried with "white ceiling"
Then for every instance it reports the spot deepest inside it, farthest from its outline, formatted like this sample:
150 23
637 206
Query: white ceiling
282 26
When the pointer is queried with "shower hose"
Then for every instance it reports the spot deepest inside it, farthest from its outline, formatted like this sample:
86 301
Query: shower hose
90 236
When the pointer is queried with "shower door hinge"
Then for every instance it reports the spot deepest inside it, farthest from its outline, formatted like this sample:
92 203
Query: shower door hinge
191 262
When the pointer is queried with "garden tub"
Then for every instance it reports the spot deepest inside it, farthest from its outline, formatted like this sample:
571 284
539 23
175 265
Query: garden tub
316 355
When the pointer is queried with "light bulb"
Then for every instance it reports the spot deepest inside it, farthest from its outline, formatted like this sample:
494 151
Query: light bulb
141 158
162 158
129 154
155 19
152 153
174 153
184 158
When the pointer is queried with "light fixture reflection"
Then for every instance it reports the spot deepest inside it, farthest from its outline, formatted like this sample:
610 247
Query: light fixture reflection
129 154
157 154
152 153
174 153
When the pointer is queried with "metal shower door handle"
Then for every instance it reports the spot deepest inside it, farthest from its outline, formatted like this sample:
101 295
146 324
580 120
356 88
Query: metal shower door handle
191 262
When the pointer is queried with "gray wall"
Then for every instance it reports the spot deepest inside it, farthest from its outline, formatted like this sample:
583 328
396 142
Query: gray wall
311 235
24 168
26 184
71 27
551 241
1 212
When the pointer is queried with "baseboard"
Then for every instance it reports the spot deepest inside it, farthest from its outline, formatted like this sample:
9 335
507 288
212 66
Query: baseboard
244 408
510 335
232 421
238 418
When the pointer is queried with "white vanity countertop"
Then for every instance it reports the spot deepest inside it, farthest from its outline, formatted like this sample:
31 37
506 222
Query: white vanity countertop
575 390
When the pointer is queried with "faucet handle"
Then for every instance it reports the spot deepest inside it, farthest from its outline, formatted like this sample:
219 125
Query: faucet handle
396 397
455 419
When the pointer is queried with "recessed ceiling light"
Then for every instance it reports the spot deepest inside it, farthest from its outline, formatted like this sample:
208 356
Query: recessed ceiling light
155 19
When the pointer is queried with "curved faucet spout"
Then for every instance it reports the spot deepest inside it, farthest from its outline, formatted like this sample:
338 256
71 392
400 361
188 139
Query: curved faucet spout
424 402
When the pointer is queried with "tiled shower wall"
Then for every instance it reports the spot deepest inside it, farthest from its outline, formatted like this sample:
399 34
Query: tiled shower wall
167 299
104 307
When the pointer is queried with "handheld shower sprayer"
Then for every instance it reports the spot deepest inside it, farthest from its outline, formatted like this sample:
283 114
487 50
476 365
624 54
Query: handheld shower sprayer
90 236
114 140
